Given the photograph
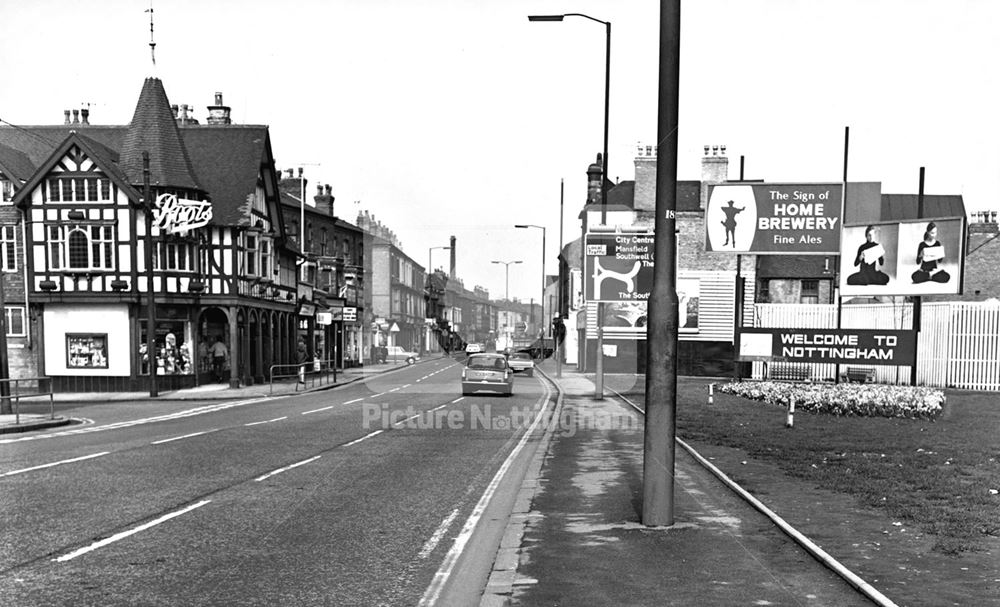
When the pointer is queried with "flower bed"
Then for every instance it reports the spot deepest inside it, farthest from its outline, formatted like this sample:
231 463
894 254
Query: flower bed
867 400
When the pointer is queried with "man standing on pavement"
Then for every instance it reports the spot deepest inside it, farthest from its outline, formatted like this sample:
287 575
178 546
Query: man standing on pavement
219 354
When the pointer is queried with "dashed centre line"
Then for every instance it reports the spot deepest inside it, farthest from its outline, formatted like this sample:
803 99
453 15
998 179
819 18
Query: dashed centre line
125 534
168 440
269 421
317 410
365 437
286 468
65 461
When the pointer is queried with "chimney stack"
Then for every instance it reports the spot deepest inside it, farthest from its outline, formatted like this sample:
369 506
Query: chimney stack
219 113
330 197
714 169
451 272
594 172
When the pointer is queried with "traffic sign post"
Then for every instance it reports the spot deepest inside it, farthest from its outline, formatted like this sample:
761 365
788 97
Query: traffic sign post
619 266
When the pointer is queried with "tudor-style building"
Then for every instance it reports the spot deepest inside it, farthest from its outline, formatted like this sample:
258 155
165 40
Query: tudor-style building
220 266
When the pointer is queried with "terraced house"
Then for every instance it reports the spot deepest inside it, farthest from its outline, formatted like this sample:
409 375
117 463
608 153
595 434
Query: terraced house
83 205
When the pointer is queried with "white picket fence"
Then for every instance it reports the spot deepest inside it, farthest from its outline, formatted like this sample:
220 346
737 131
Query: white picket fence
958 345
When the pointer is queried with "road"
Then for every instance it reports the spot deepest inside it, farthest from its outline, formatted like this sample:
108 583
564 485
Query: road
350 496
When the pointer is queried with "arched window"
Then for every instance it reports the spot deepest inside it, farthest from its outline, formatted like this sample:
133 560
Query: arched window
79 254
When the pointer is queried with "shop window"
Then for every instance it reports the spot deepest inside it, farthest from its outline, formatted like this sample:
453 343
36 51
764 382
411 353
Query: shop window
15 321
8 244
173 348
87 350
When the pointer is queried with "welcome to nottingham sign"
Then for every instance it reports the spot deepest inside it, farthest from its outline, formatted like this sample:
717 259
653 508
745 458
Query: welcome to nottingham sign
774 218
838 346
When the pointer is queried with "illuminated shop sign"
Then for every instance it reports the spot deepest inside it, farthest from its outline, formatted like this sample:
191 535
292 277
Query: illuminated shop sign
173 214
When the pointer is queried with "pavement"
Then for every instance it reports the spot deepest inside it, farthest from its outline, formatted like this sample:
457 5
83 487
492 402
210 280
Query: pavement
575 535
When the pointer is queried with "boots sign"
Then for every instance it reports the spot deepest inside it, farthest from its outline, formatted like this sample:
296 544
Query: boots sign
774 218
177 215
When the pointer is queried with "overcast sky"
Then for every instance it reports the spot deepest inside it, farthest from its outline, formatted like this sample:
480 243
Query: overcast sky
459 117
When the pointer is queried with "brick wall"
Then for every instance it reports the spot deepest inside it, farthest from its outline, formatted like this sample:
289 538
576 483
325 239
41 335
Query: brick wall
22 358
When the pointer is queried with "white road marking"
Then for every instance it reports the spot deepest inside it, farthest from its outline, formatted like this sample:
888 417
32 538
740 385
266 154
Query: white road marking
65 461
317 410
125 534
365 437
432 542
137 422
406 385
286 468
394 389
433 591
268 421
354 401
167 440
458 399
376 395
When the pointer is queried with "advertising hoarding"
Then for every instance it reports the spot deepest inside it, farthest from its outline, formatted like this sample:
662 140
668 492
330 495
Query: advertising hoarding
913 257
774 218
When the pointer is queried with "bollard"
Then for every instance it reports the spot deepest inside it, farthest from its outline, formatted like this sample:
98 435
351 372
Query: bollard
789 420
711 392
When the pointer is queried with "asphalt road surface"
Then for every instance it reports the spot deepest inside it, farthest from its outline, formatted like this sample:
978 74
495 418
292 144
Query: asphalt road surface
350 496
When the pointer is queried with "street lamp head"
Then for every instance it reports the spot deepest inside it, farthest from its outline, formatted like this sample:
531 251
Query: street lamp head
520 225
545 17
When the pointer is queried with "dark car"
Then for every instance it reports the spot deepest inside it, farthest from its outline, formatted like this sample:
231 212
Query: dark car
489 372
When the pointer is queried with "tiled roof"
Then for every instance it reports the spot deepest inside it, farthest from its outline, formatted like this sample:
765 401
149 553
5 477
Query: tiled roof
154 130
898 207
15 164
227 161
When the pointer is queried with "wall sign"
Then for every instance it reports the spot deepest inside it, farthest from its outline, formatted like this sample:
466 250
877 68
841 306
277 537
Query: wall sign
173 214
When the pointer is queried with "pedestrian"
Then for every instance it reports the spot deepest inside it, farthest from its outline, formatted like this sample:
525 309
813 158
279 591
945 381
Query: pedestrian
303 358
220 355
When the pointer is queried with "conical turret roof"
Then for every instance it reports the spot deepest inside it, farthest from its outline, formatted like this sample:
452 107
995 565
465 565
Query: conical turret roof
153 129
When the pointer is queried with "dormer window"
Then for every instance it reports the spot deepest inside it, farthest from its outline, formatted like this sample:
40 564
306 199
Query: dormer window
6 190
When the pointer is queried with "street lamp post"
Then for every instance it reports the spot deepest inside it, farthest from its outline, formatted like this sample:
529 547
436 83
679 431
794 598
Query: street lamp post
599 371
429 271
542 300
506 292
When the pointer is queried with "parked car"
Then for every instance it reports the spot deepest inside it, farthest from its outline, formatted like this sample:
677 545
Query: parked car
473 348
397 353
520 362
488 372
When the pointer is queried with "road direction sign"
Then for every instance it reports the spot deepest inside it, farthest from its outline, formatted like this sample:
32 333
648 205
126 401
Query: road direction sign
618 266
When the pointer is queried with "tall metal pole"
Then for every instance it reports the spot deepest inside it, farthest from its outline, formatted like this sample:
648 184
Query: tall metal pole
843 207
150 287
599 370
661 333
559 304
917 301
542 300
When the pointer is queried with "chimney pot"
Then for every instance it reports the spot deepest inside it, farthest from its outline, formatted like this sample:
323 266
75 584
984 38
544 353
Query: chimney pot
706 150
715 150
319 189
329 189
723 148
76 116
85 116
218 98
66 112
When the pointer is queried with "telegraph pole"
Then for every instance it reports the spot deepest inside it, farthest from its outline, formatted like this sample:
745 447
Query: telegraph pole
5 405
661 333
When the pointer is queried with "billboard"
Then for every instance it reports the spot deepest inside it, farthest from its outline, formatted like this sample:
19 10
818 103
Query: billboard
838 346
774 218
913 257
618 266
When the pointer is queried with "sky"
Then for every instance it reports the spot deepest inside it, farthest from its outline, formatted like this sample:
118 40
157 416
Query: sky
461 118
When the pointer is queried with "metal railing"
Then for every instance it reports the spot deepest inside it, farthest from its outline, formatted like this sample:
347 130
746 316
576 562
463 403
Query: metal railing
307 375
16 394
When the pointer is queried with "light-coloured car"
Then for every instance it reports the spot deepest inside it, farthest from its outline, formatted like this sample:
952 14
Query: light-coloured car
520 362
397 353
473 348
488 372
